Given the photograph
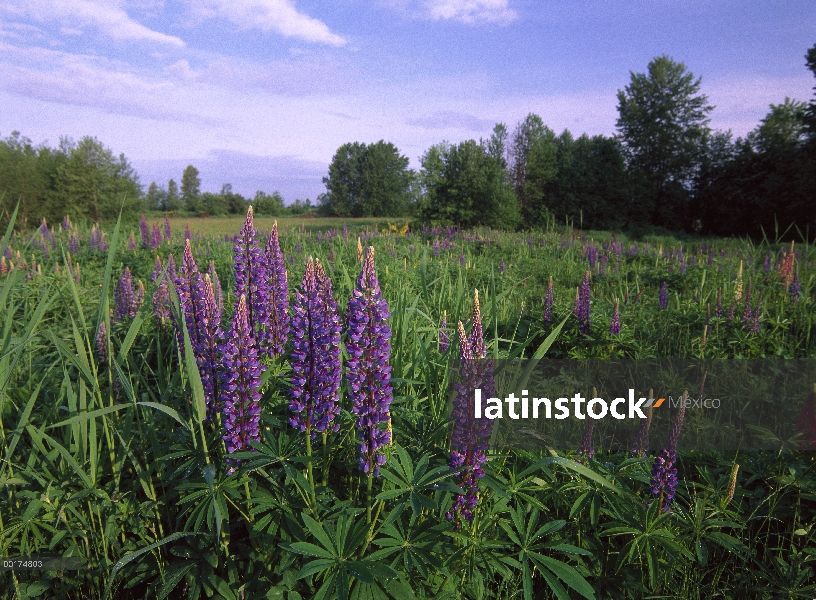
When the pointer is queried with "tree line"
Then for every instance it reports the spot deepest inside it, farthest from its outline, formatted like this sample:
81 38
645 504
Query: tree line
665 168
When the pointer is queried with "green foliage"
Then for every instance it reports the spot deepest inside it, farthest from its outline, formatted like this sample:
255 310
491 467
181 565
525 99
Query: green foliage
268 205
466 186
115 463
81 179
190 188
368 180
663 121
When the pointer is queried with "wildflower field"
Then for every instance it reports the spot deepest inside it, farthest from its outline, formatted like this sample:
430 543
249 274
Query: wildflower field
276 412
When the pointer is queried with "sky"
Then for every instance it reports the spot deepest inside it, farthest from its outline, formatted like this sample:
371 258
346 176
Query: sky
261 93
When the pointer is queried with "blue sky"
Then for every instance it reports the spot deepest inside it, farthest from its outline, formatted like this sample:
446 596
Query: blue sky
261 93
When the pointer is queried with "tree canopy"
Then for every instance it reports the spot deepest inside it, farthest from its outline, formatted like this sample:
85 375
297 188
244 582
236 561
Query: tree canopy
84 180
368 180
465 185
663 121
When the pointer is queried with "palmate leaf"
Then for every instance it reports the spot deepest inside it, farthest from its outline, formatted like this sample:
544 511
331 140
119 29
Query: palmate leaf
529 541
336 562
415 548
410 482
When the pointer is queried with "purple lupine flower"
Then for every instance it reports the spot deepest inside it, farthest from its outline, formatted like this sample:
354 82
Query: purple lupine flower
250 276
747 314
640 441
462 259
145 232
586 450
502 267
663 298
73 242
155 237
549 298
470 436
444 336
756 318
102 343
123 296
216 283
615 325
731 310
199 306
187 235
582 304
66 223
209 351
190 288
795 288
240 383
345 233
664 468
93 241
436 247
161 297
131 243
298 247
316 355
168 231
368 368
138 298
276 330
103 244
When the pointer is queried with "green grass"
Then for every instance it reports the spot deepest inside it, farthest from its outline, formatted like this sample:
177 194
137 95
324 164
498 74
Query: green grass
218 226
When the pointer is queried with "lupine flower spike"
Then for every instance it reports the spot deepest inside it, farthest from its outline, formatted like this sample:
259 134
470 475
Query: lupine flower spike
277 289
582 304
102 343
240 383
664 468
161 297
663 298
444 336
315 357
738 286
250 276
369 370
615 325
145 232
640 442
123 298
549 297
208 354
470 435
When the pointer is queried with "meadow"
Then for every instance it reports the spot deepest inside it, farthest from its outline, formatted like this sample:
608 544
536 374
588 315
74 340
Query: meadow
258 471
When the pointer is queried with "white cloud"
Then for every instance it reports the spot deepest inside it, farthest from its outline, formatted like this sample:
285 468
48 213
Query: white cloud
280 16
181 70
471 11
85 80
109 18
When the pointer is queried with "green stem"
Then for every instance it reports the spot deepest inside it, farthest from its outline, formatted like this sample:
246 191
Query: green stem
309 468
249 500
369 485
325 478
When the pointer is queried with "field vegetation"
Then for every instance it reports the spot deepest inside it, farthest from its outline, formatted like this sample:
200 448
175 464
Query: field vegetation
200 438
